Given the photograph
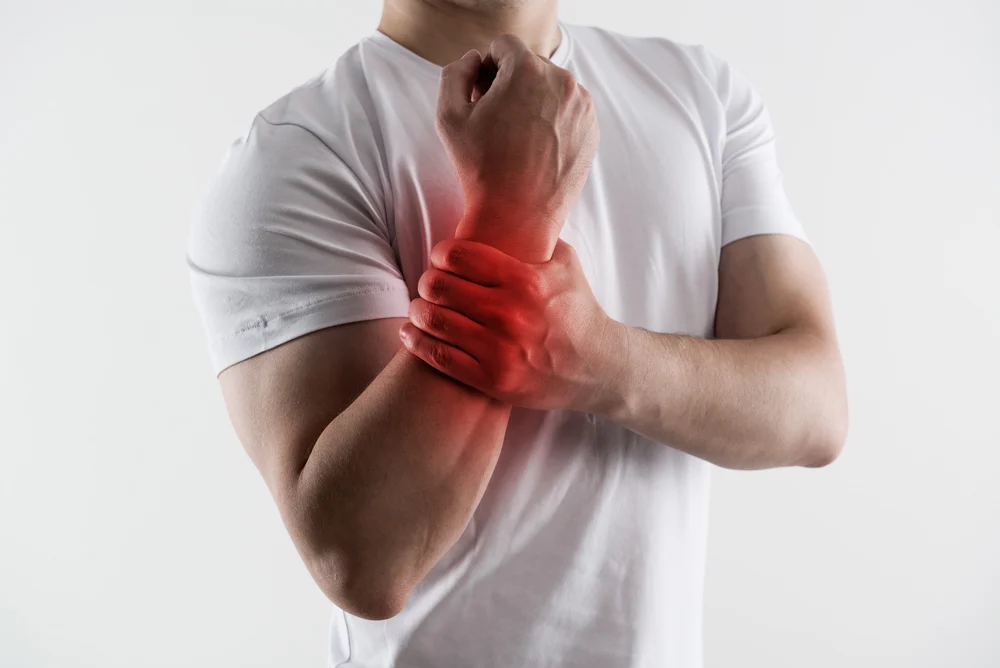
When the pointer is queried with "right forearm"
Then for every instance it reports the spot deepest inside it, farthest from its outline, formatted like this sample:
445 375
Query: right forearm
378 462
392 482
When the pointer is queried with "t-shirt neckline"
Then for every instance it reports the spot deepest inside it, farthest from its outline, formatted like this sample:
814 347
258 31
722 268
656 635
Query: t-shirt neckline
559 57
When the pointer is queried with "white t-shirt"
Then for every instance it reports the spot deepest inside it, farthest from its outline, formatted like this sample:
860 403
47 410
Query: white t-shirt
588 546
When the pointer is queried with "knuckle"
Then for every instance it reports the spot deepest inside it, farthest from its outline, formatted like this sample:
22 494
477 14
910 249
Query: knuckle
531 64
532 284
438 287
507 41
567 254
452 68
459 68
582 101
438 354
432 285
456 255
519 321
436 320
567 80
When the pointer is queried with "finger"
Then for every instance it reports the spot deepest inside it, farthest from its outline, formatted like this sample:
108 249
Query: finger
457 81
447 359
470 299
506 49
484 80
474 261
449 326
505 52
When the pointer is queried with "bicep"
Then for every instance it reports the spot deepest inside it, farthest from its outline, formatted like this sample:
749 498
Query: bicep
280 401
769 278
770 283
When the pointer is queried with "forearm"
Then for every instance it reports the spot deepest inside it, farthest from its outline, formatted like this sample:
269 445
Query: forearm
392 482
528 240
745 404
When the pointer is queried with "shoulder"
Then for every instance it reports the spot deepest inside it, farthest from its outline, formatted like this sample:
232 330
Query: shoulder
654 52
330 112
708 86
309 155
320 135
330 105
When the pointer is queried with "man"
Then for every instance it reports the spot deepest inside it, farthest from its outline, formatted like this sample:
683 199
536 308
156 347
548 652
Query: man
483 354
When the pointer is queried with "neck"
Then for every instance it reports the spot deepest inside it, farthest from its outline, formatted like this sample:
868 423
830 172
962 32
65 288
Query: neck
441 31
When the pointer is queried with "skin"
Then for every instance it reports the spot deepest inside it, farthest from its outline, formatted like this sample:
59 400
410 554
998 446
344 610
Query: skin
356 438
374 478
767 392
442 30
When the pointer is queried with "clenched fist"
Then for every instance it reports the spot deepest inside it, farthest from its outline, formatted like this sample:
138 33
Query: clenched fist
521 144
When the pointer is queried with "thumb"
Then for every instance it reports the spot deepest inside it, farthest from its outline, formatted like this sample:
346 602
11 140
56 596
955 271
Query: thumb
507 50
457 82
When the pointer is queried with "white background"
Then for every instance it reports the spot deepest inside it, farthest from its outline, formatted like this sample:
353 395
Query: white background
135 532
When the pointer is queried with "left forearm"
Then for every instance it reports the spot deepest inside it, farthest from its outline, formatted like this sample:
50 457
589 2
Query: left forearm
768 391
772 401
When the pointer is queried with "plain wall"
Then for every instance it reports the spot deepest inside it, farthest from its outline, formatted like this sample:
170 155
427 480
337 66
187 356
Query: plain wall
135 532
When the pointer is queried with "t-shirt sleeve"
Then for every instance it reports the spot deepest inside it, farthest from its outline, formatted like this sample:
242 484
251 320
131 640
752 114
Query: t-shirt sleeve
291 238
753 197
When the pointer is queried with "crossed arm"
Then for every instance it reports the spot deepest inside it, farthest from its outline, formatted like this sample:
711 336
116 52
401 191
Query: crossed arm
377 454
356 439
767 391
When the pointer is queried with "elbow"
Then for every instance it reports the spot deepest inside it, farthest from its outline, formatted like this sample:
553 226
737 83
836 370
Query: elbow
823 453
828 440
358 589
828 432
369 604
361 577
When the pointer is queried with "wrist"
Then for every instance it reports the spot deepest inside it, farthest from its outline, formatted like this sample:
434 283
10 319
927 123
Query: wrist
608 394
526 238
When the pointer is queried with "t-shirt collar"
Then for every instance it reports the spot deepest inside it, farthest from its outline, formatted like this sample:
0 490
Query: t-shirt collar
559 57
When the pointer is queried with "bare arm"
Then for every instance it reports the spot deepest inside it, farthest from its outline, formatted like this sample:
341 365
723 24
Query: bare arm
768 391
358 442
376 460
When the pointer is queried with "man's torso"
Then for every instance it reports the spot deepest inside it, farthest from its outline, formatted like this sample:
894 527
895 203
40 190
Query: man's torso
587 548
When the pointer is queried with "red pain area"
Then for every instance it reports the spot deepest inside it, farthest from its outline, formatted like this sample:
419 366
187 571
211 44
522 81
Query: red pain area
523 333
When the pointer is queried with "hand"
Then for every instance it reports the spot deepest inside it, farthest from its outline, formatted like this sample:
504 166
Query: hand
521 144
531 335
